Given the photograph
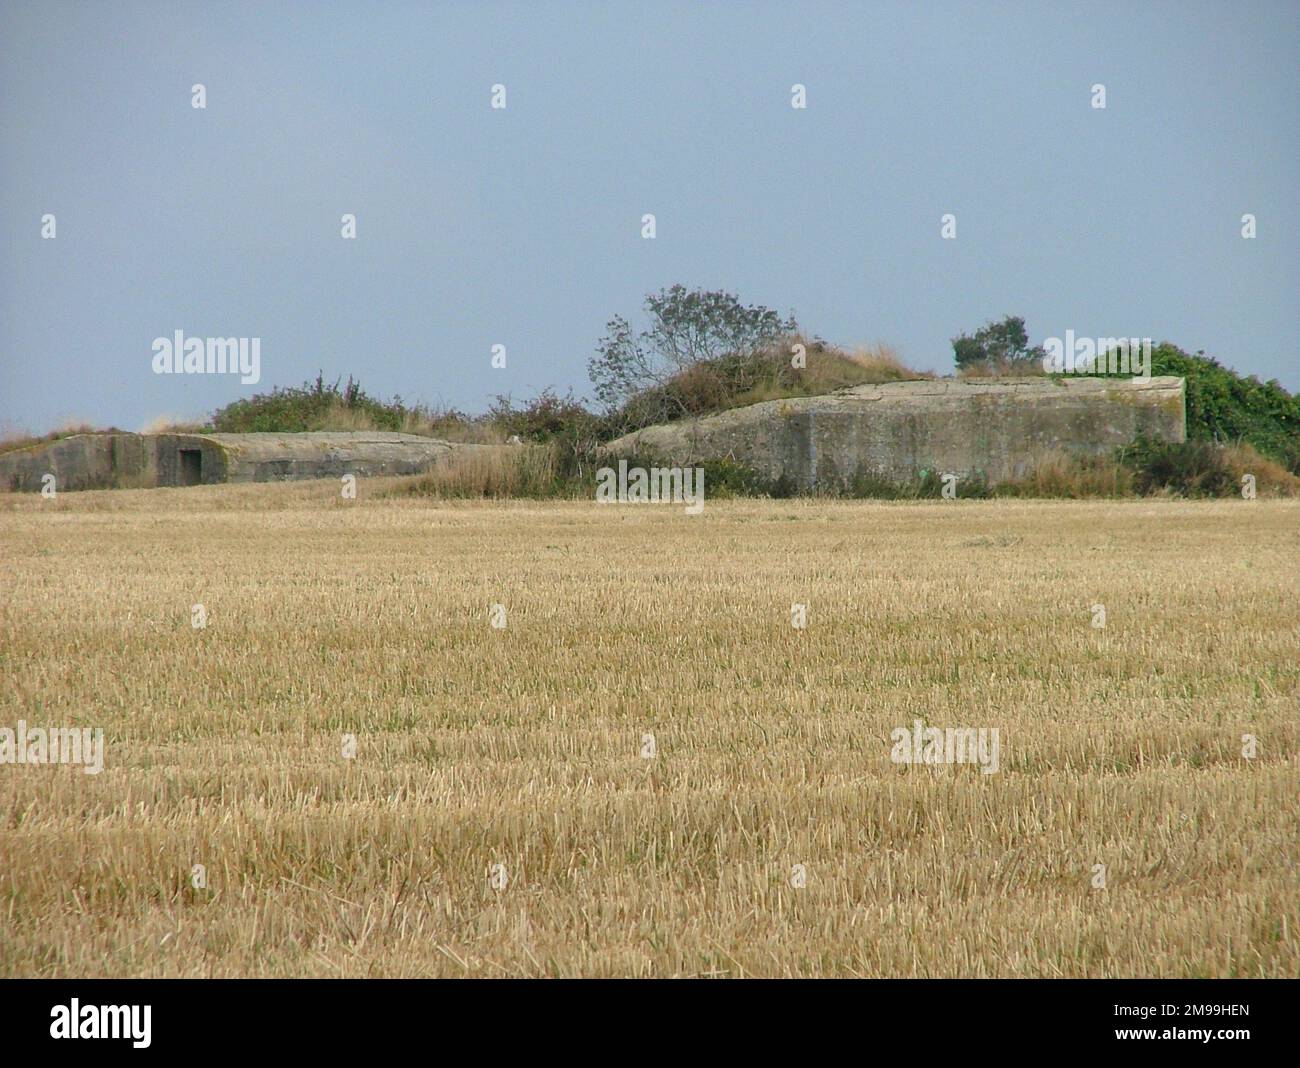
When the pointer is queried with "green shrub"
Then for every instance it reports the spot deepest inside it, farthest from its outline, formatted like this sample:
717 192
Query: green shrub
561 422
320 406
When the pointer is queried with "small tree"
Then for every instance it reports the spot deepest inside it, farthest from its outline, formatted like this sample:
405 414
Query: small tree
1000 346
687 327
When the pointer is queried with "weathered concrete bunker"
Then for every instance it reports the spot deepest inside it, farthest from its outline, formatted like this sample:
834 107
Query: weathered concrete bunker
99 461
998 428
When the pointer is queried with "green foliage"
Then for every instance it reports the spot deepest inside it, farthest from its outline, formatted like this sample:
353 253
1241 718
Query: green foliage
999 347
866 484
726 478
1223 406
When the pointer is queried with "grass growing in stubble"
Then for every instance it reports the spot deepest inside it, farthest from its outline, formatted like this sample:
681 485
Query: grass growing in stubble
519 747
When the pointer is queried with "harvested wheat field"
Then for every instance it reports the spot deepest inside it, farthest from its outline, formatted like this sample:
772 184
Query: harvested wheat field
504 812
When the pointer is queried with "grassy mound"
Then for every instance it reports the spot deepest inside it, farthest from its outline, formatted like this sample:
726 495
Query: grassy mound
735 381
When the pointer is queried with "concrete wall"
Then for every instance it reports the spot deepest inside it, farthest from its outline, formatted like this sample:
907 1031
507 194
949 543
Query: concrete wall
997 428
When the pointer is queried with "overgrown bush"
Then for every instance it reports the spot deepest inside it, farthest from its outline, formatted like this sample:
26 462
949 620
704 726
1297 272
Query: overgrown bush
727 479
294 410
1204 469
1223 406
562 422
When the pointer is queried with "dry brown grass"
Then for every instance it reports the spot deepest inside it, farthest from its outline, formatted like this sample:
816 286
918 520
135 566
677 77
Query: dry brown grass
1271 478
1066 475
171 424
882 363
520 746
507 472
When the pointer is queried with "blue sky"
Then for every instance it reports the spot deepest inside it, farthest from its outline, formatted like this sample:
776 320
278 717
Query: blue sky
522 226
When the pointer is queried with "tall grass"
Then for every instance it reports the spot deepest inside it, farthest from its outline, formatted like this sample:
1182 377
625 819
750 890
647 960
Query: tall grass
512 471
1062 475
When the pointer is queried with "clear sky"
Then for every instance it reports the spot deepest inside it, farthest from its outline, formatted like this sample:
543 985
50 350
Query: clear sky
522 226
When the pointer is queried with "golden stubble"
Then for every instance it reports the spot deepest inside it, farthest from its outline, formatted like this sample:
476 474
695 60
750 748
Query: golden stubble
519 747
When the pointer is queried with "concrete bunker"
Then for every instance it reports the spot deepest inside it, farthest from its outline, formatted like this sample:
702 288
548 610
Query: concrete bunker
117 460
997 428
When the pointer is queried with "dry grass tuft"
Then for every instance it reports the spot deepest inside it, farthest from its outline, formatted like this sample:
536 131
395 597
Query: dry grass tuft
882 363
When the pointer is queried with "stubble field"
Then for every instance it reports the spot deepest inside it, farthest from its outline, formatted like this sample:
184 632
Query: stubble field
498 817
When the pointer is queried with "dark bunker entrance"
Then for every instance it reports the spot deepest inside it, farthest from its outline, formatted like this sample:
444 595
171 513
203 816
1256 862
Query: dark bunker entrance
191 467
